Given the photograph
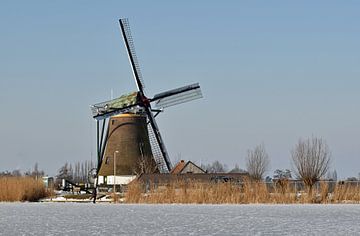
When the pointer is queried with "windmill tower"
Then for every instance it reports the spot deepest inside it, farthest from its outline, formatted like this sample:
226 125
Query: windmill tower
127 132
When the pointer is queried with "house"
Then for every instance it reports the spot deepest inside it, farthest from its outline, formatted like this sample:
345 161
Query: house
188 167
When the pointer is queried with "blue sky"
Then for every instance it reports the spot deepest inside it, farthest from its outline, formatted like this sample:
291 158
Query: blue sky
271 72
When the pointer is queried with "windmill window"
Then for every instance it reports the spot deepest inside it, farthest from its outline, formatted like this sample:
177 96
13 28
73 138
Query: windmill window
107 160
112 122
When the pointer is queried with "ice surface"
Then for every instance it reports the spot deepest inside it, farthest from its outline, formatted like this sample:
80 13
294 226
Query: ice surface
121 219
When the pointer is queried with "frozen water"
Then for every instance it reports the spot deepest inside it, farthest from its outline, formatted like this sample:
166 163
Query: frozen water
121 219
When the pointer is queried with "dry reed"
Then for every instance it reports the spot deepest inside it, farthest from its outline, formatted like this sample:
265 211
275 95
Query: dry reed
21 189
245 193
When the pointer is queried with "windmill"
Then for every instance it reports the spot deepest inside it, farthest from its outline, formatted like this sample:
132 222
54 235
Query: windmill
135 113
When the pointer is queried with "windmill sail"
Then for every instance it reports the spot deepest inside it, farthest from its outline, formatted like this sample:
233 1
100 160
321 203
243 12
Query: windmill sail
129 44
156 151
159 140
125 29
177 96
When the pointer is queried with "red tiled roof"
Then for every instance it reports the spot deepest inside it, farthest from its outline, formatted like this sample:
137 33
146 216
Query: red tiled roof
178 168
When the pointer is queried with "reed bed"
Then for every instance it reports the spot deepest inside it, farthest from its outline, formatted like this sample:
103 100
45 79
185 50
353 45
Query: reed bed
245 193
21 189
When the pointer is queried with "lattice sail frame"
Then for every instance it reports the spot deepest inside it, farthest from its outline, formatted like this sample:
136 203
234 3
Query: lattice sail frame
156 151
178 96
129 44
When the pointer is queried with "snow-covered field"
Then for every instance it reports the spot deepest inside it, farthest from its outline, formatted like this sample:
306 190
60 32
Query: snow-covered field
119 219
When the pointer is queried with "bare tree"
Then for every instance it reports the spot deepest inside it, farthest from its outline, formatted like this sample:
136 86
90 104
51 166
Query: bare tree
16 173
65 172
331 175
36 173
282 174
215 167
257 162
311 160
237 169
145 165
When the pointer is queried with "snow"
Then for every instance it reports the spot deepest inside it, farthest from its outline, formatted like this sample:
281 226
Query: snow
121 219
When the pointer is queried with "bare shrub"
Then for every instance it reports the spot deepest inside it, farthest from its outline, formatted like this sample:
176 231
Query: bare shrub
257 162
145 165
311 160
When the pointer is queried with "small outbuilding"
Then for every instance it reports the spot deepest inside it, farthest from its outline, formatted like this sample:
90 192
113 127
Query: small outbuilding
188 167
48 181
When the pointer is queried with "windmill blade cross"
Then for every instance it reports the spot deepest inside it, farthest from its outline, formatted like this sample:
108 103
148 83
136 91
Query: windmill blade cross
129 44
177 96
